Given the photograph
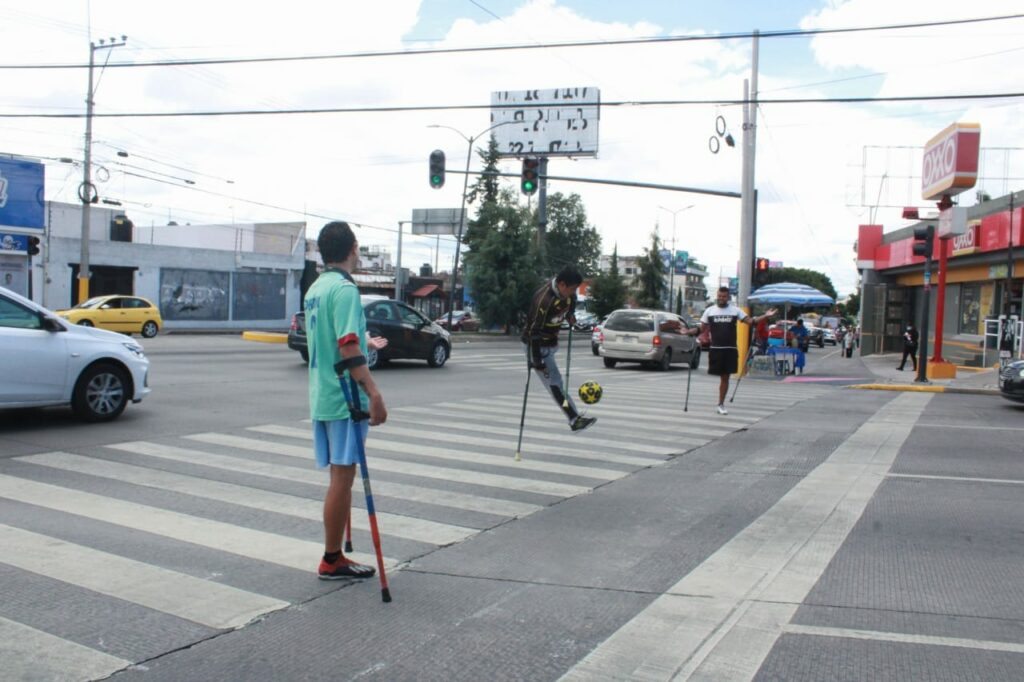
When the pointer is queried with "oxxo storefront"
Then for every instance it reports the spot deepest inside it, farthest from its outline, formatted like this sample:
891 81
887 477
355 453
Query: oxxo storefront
984 279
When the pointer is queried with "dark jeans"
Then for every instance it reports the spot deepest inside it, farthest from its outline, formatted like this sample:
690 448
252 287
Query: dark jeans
911 352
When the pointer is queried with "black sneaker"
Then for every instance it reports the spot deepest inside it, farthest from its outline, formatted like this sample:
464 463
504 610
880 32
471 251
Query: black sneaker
581 422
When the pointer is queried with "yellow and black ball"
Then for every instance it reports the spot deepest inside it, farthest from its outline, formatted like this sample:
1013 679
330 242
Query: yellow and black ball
590 392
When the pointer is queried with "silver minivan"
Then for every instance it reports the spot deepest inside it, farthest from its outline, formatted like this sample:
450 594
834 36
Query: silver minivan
654 338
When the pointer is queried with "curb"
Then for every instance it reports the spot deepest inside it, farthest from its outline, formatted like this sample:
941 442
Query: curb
910 388
265 337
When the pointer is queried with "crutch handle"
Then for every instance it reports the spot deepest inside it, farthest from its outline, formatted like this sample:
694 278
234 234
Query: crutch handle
355 407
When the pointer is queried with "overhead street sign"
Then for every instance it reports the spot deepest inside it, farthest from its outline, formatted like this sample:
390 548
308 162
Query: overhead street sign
552 122
21 193
436 220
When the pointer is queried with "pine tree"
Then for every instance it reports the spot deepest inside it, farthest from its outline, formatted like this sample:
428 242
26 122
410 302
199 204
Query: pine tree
607 290
650 278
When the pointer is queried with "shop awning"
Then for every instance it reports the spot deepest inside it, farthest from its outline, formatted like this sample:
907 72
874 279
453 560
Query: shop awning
424 291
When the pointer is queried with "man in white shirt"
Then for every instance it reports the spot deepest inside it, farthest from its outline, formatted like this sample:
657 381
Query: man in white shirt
723 356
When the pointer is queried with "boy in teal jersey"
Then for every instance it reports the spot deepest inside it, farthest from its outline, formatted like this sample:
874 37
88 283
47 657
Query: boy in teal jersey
336 331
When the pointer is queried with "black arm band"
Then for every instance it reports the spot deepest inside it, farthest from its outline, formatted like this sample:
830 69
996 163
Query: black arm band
349 363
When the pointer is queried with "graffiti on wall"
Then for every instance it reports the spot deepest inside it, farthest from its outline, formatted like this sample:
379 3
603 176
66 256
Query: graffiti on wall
194 294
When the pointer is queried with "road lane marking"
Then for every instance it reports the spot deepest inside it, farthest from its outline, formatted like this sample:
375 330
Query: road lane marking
31 655
457 474
961 479
903 638
217 535
253 498
318 477
722 619
201 601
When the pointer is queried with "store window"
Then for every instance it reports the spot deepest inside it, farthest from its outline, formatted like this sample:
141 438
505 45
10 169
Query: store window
970 309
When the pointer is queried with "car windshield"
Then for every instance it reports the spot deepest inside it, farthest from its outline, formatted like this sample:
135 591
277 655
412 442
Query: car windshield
630 321
91 303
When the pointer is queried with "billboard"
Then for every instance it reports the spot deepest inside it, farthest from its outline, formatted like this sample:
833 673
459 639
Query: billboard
552 122
21 194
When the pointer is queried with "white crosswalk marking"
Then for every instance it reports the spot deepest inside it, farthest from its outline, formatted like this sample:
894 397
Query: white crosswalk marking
31 654
202 601
224 537
411 468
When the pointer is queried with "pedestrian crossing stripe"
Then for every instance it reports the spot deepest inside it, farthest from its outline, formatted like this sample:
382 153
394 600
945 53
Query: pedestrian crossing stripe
431 496
380 442
201 601
218 535
31 654
501 481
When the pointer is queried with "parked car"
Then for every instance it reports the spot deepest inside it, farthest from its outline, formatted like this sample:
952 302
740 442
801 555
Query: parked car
829 336
1011 381
595 337
653 338
49 362
125 314
462 321
585 321
410 334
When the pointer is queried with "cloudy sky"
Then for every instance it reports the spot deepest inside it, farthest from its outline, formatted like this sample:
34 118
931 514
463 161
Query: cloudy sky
820 166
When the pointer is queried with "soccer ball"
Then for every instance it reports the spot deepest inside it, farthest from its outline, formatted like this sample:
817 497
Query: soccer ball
590 392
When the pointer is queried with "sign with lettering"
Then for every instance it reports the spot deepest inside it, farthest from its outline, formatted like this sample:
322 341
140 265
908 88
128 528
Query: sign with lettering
437 220
967 242
552 122
951 161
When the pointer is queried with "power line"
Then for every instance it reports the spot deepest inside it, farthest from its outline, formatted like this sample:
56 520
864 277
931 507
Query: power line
489 107
649 40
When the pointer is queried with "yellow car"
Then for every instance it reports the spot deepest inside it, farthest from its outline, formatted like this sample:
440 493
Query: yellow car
127 314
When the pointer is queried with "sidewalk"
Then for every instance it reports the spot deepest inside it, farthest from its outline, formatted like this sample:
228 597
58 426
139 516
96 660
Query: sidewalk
884 367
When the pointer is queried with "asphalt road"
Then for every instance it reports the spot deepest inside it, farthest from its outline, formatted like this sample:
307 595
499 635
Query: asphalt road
814 533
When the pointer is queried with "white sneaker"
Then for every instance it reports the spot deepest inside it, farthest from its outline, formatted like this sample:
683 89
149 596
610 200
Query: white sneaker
722 410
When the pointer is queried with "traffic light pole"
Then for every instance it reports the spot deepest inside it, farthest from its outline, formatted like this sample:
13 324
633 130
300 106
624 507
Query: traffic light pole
922 362
542 204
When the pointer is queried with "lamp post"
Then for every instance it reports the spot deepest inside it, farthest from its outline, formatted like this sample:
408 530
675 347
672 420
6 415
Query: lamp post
462 211
87 191
672 258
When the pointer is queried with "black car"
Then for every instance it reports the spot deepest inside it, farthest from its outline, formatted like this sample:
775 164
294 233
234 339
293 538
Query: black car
410 334
1011 381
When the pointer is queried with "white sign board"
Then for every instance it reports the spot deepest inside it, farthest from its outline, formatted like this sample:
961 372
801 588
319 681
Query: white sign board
952 222
436 220
553 122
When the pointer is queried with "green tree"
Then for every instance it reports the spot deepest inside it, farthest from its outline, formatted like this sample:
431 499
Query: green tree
818 280
501 265
607 290
649 282
486 189
852 306
569 239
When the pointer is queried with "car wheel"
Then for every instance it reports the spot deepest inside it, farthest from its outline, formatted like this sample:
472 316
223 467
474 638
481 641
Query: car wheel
595 349
149 329
666 360
304 354
372 358
695 358
821 344
438 355
609 363
85 323
101 393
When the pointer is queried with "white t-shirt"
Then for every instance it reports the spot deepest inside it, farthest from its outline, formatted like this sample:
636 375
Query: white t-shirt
722 322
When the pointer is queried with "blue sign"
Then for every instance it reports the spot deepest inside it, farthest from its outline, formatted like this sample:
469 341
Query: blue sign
21 194
13 244
682 260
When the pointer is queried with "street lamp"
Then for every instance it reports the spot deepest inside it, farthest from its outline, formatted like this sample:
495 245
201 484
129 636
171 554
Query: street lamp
87 191
672 258
462 212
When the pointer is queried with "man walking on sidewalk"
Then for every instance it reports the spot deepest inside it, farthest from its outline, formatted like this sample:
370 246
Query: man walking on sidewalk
553 302
723 356
910 338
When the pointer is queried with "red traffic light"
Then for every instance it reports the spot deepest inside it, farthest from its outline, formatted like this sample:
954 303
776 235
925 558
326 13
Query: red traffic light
33 246
761 264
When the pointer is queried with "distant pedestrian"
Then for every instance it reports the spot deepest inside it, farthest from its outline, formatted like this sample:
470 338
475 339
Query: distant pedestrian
910 339
761 334
849 340
553 302
723 355
336 332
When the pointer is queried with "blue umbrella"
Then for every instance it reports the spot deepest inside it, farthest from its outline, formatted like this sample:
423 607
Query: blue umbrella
790 293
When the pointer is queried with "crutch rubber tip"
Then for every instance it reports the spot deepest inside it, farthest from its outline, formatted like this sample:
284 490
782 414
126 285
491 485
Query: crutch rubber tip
518 458
348 545
385 595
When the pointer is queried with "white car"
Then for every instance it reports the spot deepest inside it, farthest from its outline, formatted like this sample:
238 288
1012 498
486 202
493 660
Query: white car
46 361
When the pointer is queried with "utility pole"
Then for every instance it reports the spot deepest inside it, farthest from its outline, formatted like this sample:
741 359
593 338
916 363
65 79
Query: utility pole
87 191
398 265
747 235
672 258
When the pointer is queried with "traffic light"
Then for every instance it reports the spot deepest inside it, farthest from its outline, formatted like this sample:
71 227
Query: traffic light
437 169
924 239
529 180
33 246
761 271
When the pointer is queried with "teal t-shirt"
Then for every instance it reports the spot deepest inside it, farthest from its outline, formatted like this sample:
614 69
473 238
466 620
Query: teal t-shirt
333 313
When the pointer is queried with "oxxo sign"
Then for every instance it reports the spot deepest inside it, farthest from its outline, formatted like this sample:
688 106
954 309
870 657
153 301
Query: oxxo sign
951 161
967 242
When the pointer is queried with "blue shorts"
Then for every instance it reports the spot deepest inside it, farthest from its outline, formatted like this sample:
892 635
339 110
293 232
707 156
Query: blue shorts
335 442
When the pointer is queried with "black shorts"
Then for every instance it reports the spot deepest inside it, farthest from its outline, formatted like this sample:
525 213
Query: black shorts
723 361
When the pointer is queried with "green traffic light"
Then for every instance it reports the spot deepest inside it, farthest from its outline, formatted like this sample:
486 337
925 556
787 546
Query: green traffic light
528 186
435 180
